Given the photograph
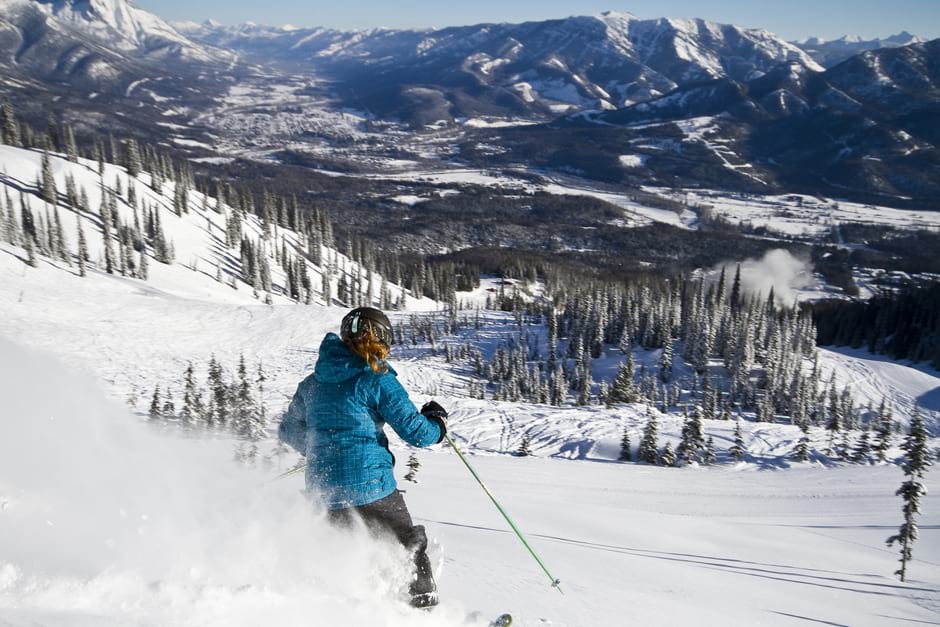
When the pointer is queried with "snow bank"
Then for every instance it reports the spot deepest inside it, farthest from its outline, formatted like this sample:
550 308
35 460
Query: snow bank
107 521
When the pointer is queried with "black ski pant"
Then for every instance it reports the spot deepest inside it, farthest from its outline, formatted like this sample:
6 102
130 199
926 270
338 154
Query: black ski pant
390 514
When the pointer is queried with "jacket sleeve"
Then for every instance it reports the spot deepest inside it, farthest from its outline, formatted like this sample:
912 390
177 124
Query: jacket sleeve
397 410
293 428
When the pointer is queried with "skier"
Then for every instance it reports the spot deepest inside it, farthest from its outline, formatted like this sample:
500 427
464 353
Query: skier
337 418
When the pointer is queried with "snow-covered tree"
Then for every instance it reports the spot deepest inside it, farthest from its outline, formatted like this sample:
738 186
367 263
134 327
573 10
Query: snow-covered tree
48 188
668 458
524 449
156 406
915 466
737 447
648 451
413 466
692 446
626 454
9 127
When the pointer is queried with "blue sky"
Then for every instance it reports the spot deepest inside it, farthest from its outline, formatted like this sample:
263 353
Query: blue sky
790 19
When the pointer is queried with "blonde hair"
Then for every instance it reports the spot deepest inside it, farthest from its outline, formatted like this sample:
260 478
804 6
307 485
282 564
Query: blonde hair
371 349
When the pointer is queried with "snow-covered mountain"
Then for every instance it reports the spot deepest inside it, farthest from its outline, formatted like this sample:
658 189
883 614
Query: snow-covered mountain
866 125
534 68
829 53
100 45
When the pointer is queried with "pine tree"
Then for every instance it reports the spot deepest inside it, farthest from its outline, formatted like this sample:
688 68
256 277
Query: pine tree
801 452
243 410
133 158
916 463
9 127
626 455
524 450
413 466
649 446
144 272
668 458
885 418
737 448
624 389
156 407
48 190
665 360
709 457
219 395
862 449
169 409
692 444
191 414
71 150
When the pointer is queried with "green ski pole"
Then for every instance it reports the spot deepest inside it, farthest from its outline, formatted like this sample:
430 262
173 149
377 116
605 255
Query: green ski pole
556 583
293 471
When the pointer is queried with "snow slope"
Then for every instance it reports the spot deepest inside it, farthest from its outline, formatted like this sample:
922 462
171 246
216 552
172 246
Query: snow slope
98 528
197 236
105 521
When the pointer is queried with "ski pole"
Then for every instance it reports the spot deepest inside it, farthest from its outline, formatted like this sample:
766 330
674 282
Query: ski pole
293 471
556 583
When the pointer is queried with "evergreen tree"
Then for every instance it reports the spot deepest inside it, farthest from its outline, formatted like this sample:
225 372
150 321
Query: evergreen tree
801 452
692 444
916 463
144 273
219 394
648 452
709 457
885 419
524 450
71 150
862 450
626 455
624 389
169 409
413 466
737 448
9 127
665 360
133 158
156 407
191 414
668 457
48 188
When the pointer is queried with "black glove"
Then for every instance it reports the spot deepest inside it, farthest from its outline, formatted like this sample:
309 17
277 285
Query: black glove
433 411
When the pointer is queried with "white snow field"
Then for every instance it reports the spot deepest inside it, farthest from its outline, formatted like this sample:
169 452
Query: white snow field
107 521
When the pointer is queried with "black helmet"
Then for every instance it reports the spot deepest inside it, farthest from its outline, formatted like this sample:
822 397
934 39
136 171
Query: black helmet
361 319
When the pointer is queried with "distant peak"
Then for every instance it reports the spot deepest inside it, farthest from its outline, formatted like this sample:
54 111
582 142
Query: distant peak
904 38
618 15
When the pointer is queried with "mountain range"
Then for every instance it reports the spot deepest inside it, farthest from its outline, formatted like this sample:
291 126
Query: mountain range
829 53
868 123
533 69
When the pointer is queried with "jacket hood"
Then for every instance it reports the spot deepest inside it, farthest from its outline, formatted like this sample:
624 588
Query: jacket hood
337 363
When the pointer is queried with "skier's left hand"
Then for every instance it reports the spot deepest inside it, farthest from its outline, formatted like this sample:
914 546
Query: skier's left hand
432 410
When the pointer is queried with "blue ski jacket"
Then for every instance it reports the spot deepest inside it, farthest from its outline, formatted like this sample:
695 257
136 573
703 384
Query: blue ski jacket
337 419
